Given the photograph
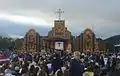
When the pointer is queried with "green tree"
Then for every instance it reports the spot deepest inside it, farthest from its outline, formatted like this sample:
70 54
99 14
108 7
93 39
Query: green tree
18 43
6 43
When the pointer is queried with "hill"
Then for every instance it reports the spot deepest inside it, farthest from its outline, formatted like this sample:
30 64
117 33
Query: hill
110 42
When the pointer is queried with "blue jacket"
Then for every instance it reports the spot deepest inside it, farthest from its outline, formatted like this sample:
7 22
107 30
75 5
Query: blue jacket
76 68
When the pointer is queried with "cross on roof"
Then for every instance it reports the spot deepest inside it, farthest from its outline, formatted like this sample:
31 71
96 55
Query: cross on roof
59 12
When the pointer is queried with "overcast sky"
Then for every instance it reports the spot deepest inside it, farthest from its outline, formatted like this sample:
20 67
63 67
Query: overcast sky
17 16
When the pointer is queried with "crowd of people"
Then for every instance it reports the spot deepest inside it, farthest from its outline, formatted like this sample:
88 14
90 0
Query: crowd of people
59 63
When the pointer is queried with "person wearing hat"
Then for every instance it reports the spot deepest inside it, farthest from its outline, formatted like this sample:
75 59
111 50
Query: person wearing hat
76 66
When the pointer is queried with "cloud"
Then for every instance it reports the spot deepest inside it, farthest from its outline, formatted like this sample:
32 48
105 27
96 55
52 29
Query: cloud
102 14
23 19
15 36
8 28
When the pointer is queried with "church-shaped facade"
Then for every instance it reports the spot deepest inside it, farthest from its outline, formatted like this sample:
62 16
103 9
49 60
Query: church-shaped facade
59 34
85 42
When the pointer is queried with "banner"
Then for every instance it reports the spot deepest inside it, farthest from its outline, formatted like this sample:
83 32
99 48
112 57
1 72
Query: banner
59 45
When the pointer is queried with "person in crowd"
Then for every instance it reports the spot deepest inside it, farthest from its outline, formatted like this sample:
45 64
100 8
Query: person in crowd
76 66
96 69
59 73
8 73
113 64
42 73
17 69
35 72
27 63
114 73
31 70
89 71
101 61
57 63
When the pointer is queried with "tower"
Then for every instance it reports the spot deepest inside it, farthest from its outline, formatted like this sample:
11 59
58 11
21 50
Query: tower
59 24
59 32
